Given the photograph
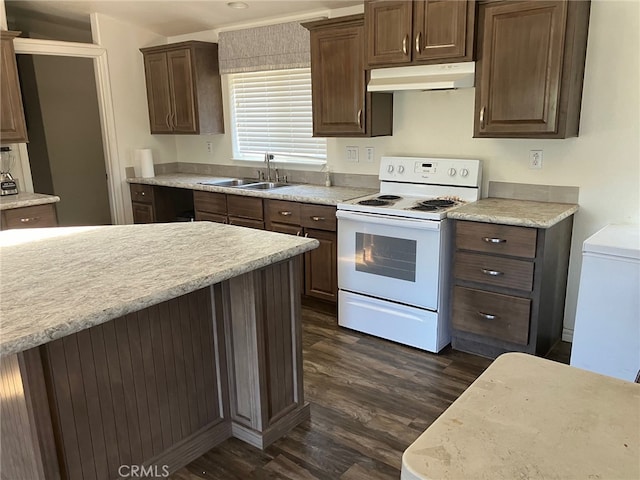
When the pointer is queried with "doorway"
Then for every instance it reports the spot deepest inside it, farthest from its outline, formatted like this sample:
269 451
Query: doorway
65 149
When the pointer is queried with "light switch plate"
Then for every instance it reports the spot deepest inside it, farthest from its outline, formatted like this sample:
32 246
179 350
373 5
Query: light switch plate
352 154
370 154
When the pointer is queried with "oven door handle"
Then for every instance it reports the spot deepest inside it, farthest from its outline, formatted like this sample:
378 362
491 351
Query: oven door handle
389 221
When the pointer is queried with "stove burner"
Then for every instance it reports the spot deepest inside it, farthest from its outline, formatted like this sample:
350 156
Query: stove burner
389 197
373 202
438 203
425 208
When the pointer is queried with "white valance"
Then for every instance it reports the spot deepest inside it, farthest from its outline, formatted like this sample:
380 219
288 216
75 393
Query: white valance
272 47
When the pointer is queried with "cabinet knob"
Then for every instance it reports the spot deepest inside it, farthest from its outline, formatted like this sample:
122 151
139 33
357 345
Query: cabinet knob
491 273
494 240
405 41
487 316
418 37
142 193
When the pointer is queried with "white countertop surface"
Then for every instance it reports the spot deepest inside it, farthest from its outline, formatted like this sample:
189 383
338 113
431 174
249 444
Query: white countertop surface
25 199
530 418
58 281
295 192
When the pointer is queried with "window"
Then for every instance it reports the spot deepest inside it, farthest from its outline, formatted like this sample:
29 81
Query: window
271 112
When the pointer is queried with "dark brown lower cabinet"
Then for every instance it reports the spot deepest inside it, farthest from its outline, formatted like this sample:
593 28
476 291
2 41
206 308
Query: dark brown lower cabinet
35 216
321 279
509 287
313 221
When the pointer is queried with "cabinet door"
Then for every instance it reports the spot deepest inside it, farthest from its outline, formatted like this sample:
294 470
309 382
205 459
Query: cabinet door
158 94
321 266
183 119
388 32
12 125
142 212
338 81
519 68
440 30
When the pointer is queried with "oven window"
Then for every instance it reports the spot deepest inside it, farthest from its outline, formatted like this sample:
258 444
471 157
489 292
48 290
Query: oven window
386 256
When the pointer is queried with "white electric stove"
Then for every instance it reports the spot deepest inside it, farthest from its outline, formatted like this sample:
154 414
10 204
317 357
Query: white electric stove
393 257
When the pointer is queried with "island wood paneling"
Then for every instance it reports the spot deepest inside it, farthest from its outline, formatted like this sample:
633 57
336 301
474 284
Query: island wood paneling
127 391
265 353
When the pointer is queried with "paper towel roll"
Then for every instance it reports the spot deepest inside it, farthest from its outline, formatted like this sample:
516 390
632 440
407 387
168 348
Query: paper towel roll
144 162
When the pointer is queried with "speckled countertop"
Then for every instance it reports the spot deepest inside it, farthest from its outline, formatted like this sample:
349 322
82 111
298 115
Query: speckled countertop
527 417
514 212
296 193
58 281
26 200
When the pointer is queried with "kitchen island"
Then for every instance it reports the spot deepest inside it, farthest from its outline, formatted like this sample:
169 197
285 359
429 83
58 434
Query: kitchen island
143 346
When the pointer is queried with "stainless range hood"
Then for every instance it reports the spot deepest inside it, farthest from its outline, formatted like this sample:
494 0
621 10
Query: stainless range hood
423 77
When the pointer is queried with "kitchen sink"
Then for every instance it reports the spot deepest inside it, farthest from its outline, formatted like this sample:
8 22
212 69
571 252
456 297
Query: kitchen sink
233 182
264 186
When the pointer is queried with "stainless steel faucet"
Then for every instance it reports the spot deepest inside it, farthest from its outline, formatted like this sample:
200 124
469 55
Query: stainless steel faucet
267 158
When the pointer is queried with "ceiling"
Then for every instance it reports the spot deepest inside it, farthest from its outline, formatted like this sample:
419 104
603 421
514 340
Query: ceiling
176 17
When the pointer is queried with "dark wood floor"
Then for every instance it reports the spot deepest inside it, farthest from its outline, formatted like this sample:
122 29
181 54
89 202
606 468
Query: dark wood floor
370 399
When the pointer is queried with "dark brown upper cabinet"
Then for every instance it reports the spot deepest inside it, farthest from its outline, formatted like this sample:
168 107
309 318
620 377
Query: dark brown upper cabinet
184 91
421 32
342 107
530 68
12 125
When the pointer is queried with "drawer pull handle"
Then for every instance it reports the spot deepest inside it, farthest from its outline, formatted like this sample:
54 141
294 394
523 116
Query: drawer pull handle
306 235
318 219
286 214
494 240
487 316
142 193
491 273
29 219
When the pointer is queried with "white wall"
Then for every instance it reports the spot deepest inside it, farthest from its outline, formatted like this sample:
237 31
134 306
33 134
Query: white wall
603 161
126 71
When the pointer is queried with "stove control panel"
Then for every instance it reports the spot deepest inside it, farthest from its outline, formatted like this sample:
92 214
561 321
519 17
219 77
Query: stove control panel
426 170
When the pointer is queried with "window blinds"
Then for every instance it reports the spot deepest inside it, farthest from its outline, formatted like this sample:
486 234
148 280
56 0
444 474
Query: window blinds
271 112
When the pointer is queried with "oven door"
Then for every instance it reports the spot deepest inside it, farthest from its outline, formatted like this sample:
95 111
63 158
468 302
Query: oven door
393 258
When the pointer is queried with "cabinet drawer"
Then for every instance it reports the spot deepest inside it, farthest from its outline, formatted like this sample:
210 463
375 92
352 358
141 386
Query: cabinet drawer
494 238
246 222
494 270
320 217
37 216
210 202
491 314
278 211
210 217
245 207
141 193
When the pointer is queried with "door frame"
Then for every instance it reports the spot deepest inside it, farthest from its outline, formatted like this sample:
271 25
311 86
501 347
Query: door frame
31 46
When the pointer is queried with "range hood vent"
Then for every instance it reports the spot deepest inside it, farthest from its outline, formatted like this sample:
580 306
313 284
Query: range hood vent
423 77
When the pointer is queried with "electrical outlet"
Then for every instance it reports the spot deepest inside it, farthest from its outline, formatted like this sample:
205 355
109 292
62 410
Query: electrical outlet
535 158
209 147
370 154
352 154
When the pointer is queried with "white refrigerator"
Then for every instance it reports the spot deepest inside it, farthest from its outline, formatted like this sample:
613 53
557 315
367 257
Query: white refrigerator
606 337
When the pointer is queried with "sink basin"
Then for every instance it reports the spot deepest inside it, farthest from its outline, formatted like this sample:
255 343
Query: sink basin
264 185
234 182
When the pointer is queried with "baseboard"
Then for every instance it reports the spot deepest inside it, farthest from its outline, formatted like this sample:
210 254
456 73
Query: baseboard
567 335
262 440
